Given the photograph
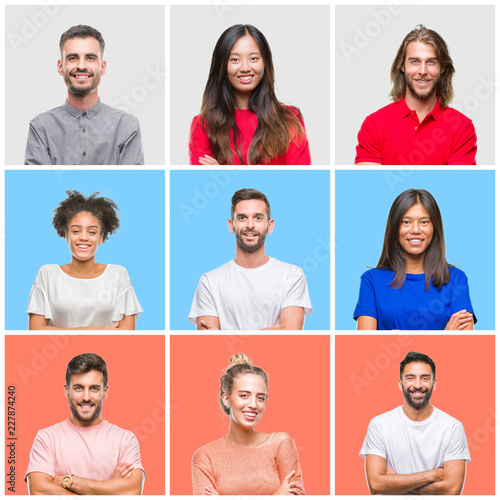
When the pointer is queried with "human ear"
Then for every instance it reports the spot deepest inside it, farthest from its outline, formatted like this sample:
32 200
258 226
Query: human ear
231 226
60 67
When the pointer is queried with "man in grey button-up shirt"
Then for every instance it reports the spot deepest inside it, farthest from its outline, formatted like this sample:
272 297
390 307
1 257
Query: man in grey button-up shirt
83 131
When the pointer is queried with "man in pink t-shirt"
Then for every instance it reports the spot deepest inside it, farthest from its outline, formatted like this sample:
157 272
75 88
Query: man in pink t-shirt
85 454
419 127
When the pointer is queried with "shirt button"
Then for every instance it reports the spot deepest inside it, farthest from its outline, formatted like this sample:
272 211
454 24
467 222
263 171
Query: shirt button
84 153
416 128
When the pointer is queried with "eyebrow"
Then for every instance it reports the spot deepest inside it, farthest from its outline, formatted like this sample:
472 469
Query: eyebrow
246 390
246 215
78 225
419 59
238 54
73 54
414 375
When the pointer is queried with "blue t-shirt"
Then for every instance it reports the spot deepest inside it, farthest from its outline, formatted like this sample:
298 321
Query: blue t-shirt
411 307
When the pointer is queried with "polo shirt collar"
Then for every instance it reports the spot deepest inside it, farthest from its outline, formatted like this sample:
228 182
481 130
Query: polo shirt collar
405 110
91 112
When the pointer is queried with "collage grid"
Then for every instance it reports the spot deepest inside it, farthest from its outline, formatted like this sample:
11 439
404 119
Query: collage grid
326 383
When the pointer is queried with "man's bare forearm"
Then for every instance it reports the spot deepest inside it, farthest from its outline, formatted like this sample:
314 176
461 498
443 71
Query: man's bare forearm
398 484
119 486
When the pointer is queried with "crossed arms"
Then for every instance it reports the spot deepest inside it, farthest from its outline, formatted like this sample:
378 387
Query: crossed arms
448 480
125 481
291 318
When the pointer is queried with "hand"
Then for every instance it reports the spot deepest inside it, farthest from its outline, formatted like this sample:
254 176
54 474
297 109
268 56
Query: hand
123 471
288 487
459 321
206 326
114 326
58 480
207 160
438 475
210 490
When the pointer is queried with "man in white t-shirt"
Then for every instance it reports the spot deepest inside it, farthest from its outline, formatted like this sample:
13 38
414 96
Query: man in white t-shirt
85 454
415 448
253 291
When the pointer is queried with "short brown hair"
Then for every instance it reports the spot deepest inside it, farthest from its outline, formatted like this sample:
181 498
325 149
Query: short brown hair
445 86
84 363
81 31
249 194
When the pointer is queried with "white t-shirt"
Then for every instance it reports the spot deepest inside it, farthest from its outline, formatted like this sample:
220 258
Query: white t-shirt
73 302
411 447
250 299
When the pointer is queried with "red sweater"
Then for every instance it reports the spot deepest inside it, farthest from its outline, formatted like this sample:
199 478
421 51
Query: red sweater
246 121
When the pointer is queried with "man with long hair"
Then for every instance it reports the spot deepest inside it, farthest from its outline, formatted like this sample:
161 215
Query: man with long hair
85 454
419 127
253 291
415 448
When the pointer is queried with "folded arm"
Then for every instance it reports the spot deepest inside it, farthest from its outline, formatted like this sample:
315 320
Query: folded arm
40 483
291 318
39 322
130 485
453 482
366 323
382 482
207 323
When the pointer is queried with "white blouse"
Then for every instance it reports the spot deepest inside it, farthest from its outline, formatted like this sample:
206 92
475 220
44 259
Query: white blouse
73 302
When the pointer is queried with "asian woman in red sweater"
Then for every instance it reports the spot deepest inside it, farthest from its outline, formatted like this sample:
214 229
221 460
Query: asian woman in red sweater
241 120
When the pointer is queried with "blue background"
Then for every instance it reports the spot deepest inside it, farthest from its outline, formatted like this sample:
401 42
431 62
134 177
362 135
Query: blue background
200 206
31 241
466 200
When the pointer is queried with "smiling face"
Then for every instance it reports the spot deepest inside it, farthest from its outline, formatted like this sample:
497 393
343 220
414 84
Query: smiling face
416 231
422 70
417 384
250 225
85 394
84 236
245 67
247 400
81 65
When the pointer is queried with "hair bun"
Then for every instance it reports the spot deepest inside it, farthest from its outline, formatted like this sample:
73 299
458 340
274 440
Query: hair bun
239 359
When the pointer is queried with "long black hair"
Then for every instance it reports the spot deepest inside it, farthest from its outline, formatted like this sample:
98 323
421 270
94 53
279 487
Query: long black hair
278 124
394 257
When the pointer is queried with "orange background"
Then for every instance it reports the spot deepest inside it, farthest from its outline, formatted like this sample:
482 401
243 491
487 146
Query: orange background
36 365
298 368
366 385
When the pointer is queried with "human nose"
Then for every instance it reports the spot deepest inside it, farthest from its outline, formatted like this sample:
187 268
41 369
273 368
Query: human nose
86 395
252 402
415 227
423 68
244 65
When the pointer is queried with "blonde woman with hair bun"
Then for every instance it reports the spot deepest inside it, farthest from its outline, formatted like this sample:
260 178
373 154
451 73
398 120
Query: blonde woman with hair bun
246 461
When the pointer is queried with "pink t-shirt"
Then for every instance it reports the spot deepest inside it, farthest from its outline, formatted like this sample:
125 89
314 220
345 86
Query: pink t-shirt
90 452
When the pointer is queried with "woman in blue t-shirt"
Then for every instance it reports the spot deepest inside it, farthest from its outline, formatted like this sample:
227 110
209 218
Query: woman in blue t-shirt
413 287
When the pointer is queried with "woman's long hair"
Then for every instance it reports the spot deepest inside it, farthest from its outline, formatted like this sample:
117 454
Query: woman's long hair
394 257
277 125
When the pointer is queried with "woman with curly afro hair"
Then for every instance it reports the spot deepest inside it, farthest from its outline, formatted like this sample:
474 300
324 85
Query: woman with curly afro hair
83 295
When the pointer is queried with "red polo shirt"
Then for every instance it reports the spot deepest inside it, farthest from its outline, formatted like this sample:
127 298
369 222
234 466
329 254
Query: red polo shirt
393 135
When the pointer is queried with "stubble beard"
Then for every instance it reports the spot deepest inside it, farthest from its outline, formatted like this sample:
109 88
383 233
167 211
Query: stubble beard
410 85
82 90
250 248
77 416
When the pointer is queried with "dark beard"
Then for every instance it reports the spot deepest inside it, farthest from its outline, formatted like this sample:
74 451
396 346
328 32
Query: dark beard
250 248
412 403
